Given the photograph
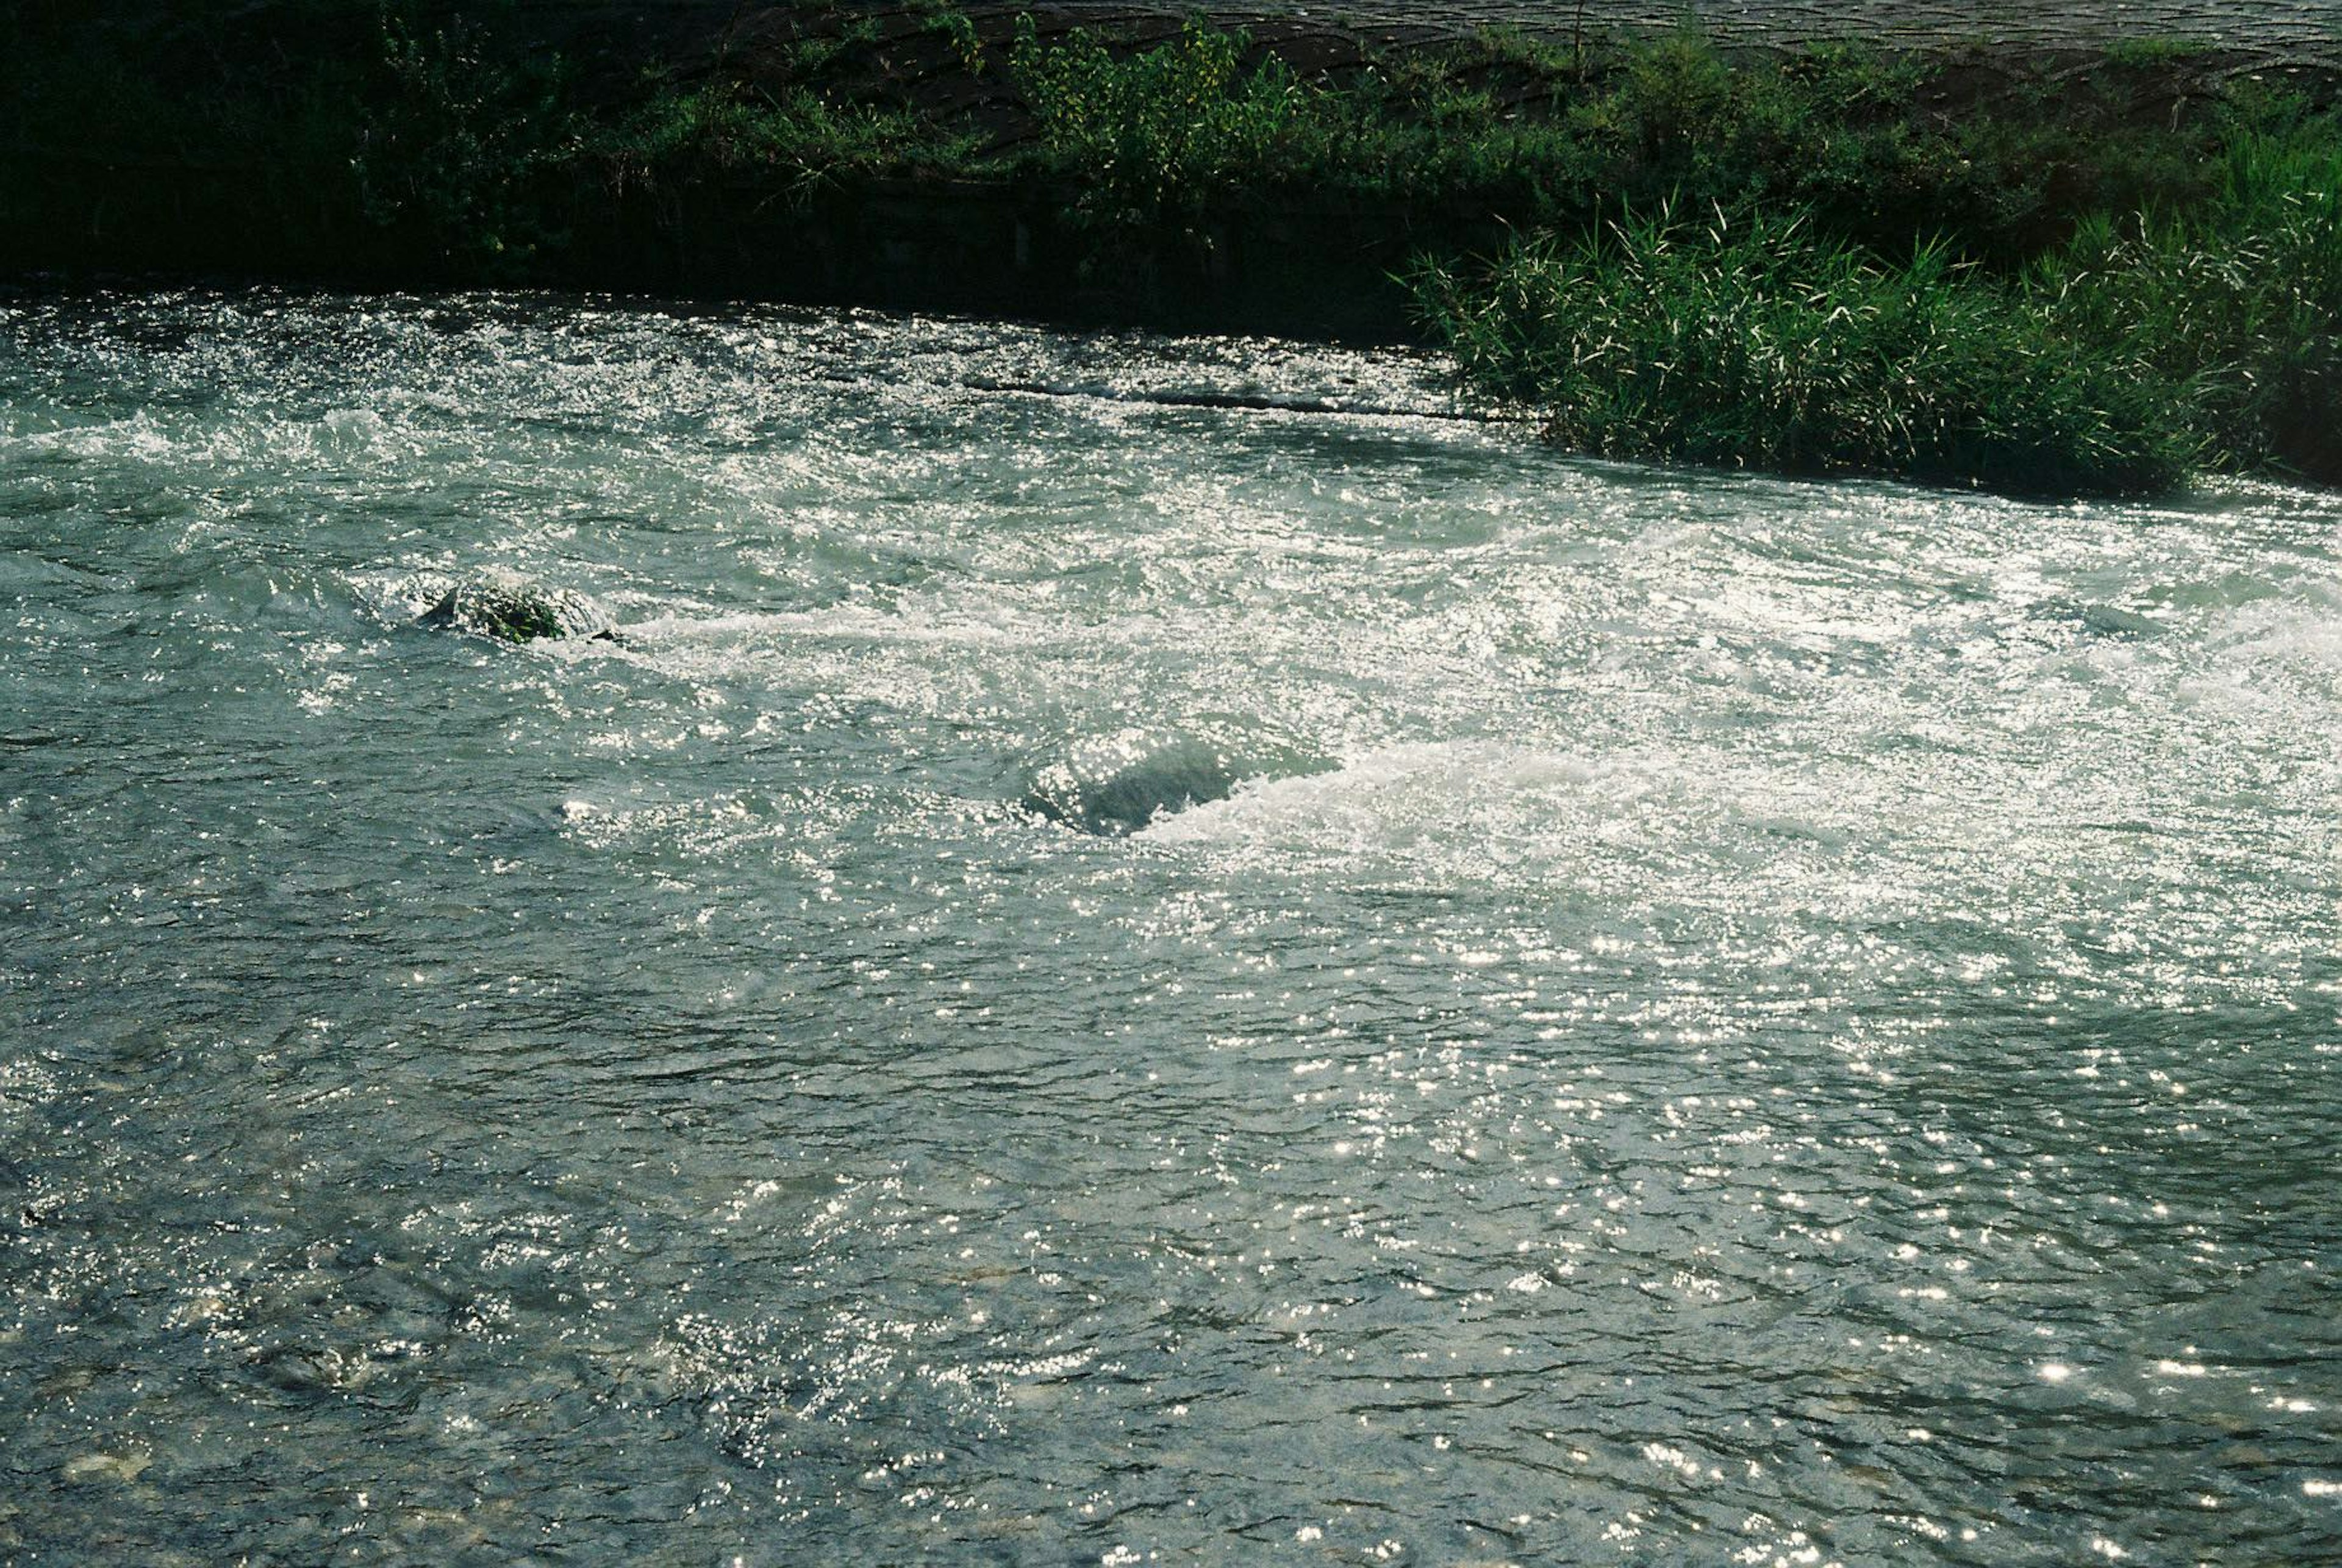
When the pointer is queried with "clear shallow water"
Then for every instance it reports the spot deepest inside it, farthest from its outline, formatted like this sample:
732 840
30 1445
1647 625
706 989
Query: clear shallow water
1726 1022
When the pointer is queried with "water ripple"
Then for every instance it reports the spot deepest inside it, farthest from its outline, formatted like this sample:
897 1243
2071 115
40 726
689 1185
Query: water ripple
1616 1013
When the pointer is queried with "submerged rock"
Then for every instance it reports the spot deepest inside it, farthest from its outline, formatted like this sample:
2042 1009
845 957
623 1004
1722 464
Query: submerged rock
85 1468
1117 784
515 611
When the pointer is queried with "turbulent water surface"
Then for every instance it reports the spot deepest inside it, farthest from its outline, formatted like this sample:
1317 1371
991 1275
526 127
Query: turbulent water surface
1136 951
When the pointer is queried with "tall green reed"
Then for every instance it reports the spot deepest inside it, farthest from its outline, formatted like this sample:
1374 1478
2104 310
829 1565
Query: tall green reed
2239 299
1751 341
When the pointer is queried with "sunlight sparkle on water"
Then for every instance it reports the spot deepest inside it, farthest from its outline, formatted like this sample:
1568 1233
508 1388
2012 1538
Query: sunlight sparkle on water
1096 980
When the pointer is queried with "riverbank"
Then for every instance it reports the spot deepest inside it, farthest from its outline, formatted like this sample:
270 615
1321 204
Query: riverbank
1093 165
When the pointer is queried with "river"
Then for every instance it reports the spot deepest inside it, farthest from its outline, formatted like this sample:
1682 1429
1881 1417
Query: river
1140 951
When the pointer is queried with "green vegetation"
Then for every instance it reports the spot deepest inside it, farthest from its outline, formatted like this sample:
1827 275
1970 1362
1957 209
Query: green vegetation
793 142
2235 301
1871 146
1163 135
457 141
1756 343
2092 278
2114 363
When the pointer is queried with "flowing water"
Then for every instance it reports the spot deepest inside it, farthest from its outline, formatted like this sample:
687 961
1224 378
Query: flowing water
1137 951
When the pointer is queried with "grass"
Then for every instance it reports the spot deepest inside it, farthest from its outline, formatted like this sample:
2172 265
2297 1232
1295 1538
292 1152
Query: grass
794 140
1502 129
2237 298
2120 362
1752 342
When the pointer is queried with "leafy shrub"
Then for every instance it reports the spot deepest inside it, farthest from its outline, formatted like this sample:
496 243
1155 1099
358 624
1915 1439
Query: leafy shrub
457 136
1160 133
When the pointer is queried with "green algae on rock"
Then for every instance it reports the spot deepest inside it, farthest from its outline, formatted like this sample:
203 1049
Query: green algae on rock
1121 782
515 611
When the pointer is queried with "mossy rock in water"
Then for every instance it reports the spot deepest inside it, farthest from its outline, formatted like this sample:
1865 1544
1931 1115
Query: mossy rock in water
1122 782
514 612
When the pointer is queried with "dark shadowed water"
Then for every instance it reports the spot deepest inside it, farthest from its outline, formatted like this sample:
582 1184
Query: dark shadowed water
1098 980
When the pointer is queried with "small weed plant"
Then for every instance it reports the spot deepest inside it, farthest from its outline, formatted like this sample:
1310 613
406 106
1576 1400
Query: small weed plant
1163 133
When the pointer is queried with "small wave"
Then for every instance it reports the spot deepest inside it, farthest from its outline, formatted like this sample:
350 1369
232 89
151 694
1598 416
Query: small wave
840 624
1124 783
359 429
134 436
1238 401
1390 797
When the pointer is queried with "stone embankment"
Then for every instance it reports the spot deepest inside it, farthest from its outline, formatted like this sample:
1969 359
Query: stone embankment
2275 32
2291 38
